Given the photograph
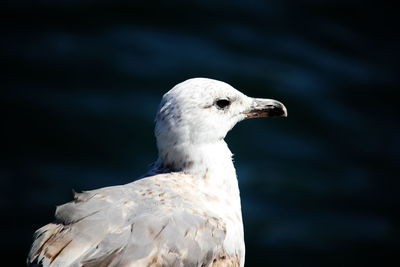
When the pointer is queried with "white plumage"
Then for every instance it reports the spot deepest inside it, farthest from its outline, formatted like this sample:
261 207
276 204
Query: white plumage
185 212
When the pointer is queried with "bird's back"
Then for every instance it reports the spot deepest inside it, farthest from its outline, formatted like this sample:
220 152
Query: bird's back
161 220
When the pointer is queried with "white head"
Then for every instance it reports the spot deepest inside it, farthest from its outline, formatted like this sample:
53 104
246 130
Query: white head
198 113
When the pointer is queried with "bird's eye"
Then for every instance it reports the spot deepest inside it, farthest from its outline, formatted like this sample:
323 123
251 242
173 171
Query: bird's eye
222 103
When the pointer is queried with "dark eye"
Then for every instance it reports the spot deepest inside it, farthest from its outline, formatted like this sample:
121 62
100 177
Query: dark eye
222 103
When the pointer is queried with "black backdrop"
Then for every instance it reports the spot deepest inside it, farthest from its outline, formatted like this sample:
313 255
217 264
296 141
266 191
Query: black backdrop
83 79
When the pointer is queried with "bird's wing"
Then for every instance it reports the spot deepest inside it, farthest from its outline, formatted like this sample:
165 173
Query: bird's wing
148 222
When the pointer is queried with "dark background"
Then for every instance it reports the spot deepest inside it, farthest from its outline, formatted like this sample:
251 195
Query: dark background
83 79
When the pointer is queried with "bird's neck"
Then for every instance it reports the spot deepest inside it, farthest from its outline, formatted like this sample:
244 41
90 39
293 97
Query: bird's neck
211 162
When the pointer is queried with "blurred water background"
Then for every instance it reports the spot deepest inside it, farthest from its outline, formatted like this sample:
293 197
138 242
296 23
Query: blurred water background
83 79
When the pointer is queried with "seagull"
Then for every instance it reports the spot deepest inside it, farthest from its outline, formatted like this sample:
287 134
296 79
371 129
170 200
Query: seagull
184 212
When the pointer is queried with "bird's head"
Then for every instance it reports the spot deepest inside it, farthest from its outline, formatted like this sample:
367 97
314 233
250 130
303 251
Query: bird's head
202 111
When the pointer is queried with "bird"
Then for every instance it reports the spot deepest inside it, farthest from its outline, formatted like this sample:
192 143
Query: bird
185 211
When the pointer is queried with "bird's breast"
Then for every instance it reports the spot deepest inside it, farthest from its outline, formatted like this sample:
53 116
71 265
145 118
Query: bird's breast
225 204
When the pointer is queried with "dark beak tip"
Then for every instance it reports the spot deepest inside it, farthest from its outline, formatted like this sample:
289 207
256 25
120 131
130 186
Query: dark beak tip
277 113
278 110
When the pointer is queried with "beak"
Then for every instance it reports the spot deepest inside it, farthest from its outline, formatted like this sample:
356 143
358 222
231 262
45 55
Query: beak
265 108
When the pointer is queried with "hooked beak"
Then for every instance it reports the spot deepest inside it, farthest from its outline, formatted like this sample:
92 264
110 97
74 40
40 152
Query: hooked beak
265 108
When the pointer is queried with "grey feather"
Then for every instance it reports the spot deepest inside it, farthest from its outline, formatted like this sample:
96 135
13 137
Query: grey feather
142 221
